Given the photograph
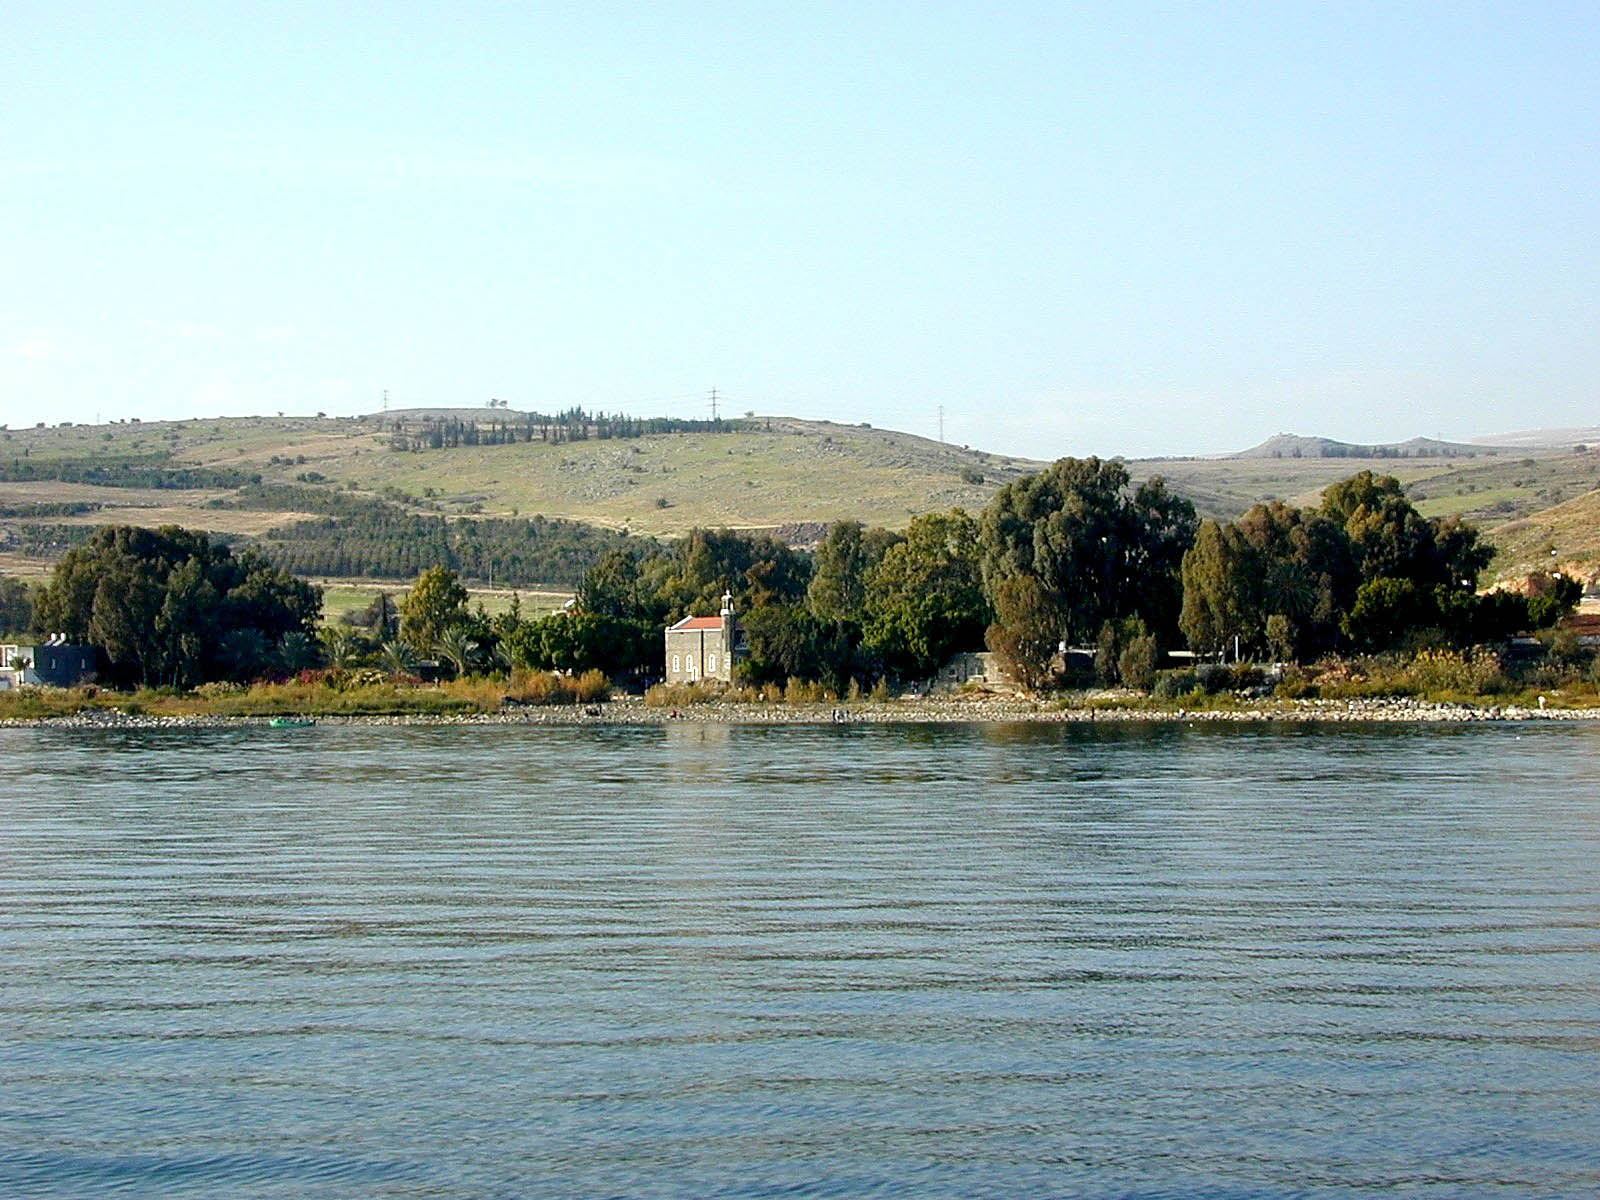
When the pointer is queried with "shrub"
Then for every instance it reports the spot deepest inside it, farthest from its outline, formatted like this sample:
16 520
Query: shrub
1169 685
1452 671
1429 672
593 686
1105 654
220 687
541 687
1137 663
1281 637
806 691
1297 684
681 695
32 702
1562 647
1218 677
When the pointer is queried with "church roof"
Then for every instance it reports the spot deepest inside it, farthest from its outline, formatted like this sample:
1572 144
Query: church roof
696 623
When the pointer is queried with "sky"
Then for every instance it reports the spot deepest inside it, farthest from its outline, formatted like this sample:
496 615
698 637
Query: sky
1113 229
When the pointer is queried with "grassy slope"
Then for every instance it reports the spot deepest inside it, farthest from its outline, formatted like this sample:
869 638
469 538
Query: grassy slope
738 479
800 471
1225 487
1564 537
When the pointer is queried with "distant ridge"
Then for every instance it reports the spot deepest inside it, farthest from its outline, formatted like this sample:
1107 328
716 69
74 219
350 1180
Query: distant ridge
1537 439
1290 445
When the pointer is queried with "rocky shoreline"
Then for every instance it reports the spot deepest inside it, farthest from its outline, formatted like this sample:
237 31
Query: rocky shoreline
929 710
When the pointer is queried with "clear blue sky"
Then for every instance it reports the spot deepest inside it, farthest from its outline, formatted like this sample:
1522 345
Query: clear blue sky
1080 229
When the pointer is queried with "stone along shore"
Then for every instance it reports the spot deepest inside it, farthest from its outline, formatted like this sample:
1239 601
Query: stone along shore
927 710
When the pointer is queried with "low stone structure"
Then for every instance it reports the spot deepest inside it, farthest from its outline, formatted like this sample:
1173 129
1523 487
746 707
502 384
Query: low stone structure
980 668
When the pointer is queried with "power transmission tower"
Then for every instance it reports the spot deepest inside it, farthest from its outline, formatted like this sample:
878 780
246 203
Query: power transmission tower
713 404
941 424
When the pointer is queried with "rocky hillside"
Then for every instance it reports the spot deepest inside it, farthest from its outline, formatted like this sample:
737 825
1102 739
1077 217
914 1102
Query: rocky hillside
784 474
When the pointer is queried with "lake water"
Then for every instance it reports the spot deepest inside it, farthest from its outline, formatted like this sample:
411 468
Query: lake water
840 961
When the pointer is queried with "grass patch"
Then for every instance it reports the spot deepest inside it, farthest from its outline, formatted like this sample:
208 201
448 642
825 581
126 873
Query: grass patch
361 693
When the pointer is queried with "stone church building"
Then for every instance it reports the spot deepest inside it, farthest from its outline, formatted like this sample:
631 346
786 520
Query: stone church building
703 647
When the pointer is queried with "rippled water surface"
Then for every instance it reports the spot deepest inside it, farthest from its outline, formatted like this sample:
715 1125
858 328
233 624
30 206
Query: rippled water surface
715 961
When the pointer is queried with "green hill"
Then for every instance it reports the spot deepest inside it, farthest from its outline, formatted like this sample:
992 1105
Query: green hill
757 474
653 478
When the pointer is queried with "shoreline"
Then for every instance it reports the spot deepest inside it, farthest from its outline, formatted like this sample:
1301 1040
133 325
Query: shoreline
925 711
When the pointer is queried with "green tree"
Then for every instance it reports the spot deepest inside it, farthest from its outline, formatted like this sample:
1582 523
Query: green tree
1139 660
396 658
16 606
1389 539
924 600
839 587
1552 597
1097 548
127 599
758 570
169 606
1281 638
381 617
785 641
456 648
298 652
186 626
1026 629
1388 610
341 648
615 587
1217 587
435 603
1275 560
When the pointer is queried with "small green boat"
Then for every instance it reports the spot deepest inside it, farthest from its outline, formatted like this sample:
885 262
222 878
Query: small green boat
290 722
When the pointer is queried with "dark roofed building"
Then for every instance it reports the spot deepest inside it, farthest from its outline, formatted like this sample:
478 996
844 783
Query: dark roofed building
55 663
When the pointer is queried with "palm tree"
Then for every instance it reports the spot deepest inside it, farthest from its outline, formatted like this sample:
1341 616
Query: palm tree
396 658
457 649
341 646
297 651
502 658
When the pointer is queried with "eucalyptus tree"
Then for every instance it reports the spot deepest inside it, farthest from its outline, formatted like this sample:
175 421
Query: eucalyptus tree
849 552
169 606
1091 548
924 600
